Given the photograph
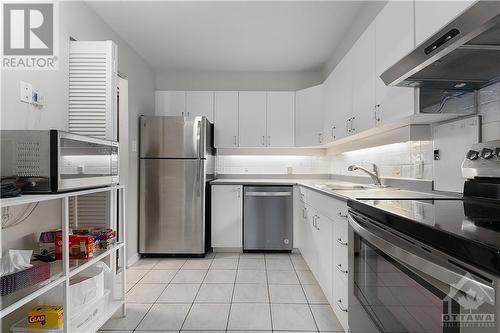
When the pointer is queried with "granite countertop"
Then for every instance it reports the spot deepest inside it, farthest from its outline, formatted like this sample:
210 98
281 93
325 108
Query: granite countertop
321 185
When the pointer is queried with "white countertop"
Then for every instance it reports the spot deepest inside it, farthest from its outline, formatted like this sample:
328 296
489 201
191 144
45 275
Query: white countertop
343 194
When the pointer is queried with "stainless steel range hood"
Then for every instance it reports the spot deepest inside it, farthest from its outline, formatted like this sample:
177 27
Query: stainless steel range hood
463 56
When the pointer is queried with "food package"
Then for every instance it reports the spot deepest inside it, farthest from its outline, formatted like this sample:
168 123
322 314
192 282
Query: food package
47 242
46 317
107 236
80 246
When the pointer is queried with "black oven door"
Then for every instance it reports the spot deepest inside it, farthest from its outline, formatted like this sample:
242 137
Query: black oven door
397 285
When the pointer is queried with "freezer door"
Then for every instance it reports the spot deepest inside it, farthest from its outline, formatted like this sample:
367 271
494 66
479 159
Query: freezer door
172 206
173 137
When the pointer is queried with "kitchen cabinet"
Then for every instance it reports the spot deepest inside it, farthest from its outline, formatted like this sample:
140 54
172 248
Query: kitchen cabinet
226 119
227 216
363 81
309 116
280 118
200 103
342 83
170 103
322 236
431 16
391 45
252 118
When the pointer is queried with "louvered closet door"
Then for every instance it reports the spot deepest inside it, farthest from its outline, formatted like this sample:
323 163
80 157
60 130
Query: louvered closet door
93 111
92 89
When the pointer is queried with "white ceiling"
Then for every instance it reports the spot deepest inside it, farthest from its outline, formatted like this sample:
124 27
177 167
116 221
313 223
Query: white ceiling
253 36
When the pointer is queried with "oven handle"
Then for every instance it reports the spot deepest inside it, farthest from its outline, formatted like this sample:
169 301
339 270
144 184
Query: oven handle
443 272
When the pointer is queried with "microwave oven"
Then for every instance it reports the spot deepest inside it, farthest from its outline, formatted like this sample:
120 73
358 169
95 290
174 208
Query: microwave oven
51 161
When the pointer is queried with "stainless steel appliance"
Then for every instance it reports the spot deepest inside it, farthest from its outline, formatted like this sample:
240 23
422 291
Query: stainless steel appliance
462 57
57 161
176 164
429 265
268 218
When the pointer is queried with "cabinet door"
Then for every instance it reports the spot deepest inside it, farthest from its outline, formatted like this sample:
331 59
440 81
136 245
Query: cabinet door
170 103
431 16
343 82
390 46
324 249
308 246
363 84
200 103
226 119
330 107
252 118
308 116
227 216
280 118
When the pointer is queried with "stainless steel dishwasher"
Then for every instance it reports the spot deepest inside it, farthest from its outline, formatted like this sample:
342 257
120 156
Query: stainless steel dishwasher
268 218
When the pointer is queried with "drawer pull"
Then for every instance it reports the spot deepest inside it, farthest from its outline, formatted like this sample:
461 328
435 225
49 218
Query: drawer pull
339 267
339 304
342 215
341 242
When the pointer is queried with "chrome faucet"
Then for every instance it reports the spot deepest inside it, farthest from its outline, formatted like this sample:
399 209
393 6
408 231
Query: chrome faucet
373 174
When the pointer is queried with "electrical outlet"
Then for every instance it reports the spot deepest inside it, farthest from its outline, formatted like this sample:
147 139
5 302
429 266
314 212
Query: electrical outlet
397 171
26 92
37 98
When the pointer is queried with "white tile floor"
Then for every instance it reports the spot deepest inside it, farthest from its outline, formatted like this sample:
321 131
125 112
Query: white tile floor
224 292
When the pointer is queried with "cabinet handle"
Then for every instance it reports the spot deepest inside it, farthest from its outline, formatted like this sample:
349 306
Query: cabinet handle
352 124
263 140
339 304
333 133
377 118
320 137
239 192
303 213
234 140
317 225
314 221
268 140
347 126
182 113
342 215
339 240
339 267
189 113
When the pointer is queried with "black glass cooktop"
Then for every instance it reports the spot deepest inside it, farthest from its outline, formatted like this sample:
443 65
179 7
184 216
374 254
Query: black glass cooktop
468 228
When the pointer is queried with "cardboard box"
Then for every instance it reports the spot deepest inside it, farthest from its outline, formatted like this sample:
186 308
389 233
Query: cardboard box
46 317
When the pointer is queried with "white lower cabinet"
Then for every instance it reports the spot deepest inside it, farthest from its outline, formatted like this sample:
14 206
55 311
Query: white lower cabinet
322 228
227 216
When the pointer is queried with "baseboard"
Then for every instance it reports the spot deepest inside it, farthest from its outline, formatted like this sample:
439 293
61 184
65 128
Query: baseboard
133 259
227 249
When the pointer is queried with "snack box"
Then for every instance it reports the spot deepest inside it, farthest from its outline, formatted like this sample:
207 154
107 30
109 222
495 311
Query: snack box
47 242
107 236
46 317
80 246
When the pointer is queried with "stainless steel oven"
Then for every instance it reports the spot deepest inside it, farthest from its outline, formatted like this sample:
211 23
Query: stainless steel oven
398 284
57 161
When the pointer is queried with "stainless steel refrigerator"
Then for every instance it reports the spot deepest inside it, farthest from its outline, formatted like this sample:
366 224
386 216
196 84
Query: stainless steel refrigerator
176 164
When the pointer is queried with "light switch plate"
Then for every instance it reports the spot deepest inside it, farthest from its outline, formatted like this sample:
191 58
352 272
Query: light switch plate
26 92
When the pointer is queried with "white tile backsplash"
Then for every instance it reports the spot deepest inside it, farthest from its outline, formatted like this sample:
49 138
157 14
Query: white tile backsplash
272 164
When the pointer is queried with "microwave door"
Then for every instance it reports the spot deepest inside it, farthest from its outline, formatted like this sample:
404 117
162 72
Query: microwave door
172 137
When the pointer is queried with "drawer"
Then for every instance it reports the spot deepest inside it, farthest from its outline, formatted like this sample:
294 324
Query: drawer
323 203
340 299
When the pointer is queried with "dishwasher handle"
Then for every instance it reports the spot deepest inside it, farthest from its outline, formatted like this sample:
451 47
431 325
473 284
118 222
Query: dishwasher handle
268 194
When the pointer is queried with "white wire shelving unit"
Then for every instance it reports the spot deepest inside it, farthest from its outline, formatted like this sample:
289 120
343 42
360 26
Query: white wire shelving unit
61 274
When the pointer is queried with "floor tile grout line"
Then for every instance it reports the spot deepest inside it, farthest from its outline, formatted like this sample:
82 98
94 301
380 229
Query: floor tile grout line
232 295
307 301
152 304
268 294
194 299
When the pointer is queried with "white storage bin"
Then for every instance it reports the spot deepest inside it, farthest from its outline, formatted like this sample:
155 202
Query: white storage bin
79 321
84 287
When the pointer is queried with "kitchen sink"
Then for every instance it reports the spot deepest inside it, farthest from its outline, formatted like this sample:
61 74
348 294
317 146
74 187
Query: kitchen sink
333 187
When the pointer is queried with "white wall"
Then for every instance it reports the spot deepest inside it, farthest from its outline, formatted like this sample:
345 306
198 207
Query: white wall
80 22
489 109
191 80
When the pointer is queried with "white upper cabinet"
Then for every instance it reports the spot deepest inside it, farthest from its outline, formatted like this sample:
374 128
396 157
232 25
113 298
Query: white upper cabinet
343 103
280 118
329 121
252 118
392 44
170 103
200 103
226 119
431 16
309 116
363 81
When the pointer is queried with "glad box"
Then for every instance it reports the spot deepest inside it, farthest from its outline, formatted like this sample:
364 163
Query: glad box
46 317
